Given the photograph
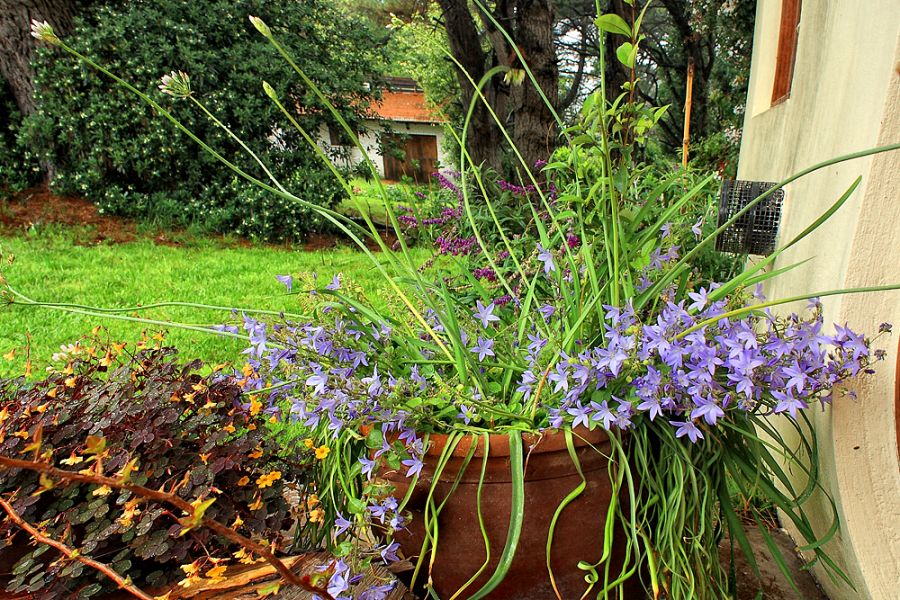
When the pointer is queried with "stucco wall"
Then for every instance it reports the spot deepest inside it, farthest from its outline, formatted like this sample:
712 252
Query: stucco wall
845 96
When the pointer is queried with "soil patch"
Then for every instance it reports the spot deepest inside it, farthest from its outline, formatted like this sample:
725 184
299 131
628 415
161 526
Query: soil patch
38 206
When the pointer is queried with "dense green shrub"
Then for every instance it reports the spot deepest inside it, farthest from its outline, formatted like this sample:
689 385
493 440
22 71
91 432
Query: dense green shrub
18 168
194 436
111 148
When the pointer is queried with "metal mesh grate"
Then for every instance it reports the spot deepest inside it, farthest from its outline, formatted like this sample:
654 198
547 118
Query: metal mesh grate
756 231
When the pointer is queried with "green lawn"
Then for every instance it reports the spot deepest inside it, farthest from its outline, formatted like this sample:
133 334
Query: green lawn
49 266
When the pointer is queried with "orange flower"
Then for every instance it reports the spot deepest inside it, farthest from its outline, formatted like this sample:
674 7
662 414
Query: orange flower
268 479
322 452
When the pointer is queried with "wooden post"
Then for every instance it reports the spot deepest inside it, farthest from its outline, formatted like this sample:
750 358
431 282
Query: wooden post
688 96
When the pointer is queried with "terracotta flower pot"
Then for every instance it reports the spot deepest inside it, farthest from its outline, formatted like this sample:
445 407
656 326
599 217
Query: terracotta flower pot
550 476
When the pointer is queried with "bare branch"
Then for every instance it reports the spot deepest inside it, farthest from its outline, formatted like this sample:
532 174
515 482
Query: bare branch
168 498
73 554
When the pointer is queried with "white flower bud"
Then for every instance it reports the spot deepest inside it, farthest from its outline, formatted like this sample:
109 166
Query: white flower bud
261 26
44 32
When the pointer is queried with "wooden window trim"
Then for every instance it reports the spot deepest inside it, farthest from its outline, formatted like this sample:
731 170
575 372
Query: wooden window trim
787 50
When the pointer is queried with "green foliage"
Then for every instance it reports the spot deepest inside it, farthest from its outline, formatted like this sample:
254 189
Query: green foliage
138 416
109 148
18 168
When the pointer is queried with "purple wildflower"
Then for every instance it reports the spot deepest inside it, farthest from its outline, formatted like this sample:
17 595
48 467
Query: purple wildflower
546 257
483 348
287 280
485 314
415 466
687 428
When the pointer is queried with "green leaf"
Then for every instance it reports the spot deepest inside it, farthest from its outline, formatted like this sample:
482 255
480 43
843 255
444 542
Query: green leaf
627 53
613 23
516 516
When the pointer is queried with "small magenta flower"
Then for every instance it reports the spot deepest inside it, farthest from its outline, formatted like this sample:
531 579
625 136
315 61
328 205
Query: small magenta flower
176 84
43 31
485 314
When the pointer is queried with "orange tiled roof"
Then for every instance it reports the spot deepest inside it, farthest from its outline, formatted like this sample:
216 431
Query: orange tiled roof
405 106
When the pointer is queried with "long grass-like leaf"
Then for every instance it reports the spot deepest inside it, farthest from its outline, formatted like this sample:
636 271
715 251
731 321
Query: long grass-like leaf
516 516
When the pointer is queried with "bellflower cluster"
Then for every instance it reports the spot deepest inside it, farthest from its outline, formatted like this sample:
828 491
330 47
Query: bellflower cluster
689 363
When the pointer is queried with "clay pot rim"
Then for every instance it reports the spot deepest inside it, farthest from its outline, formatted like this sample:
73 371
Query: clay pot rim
551 440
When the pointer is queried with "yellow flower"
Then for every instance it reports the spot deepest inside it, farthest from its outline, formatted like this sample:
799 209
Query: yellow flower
256 452
229 428
103 490
309 443
322 452
312 501
317 515
11 355
70 382
72 460
268 479
243 481
216 572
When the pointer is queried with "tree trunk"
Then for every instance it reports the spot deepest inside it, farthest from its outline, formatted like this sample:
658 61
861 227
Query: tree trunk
17 45
535 127
520 107
483 140
616 73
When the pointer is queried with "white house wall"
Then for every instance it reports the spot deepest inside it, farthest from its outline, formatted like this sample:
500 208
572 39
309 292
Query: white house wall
368 139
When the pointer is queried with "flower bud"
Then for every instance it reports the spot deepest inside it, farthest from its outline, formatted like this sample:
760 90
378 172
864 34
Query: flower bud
269 90
44 32
176 84
261 26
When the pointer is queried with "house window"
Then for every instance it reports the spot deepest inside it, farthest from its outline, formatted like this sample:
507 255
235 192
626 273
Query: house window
787 50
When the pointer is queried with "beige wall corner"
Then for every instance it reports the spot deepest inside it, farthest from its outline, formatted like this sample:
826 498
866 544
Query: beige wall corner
845 96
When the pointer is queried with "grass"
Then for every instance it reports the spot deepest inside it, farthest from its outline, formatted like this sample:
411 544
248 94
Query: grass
50 266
